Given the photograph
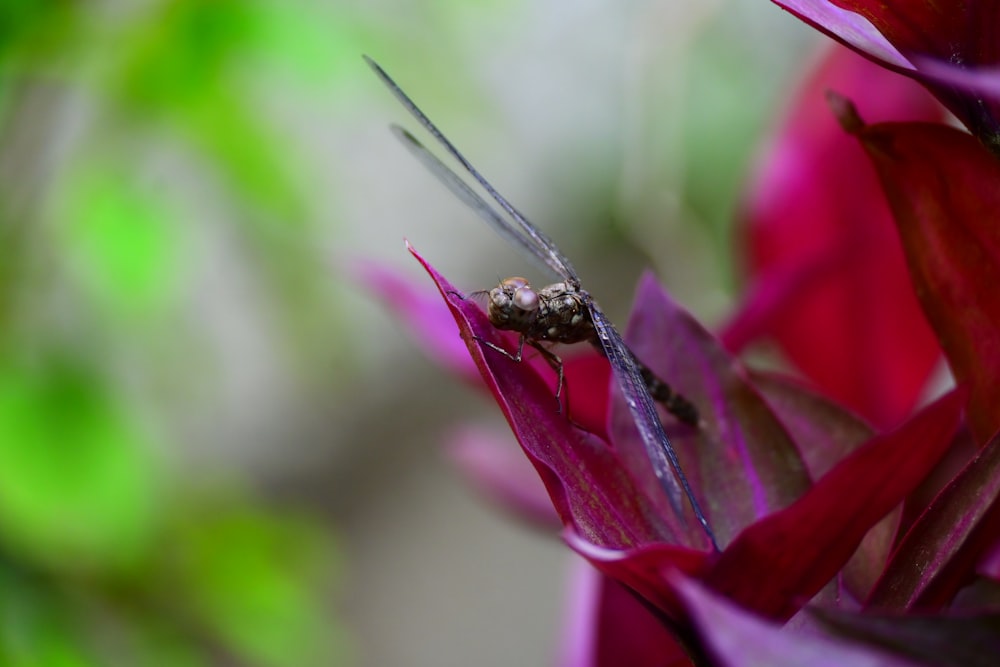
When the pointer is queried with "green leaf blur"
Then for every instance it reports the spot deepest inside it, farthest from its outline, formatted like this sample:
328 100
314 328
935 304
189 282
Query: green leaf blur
76 485
123 244
182 67
248 575
119 126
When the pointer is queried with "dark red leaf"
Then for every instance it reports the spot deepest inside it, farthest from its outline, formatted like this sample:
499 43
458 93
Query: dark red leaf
944 190
989 566
777 564
828 277
825 435
589 487
939 553
823 431
959 640
982 593
737 638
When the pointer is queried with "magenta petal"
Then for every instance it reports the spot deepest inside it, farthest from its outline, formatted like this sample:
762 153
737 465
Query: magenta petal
983 80
740 459
779 563
939 553
610 627
736 638
942 187
589 487
847 27
499 470
422 313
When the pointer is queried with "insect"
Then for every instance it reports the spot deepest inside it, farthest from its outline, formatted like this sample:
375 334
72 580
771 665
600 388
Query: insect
562 312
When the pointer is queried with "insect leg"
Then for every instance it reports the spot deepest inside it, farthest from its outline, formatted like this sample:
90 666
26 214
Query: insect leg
516 358
551 358
556 364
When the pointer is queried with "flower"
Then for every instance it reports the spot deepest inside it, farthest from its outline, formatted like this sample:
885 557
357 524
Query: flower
784 536
810 504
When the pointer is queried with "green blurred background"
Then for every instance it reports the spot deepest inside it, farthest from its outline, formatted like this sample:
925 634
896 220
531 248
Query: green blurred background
215 447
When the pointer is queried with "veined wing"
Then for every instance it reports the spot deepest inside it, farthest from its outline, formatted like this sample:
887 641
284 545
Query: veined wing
471 198
660 452
521 233
530 235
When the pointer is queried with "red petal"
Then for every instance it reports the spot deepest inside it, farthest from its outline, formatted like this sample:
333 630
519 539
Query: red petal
740 459
611 627
590 373
943 189
932 42
588 485
644 569
778 563
940 552
829 278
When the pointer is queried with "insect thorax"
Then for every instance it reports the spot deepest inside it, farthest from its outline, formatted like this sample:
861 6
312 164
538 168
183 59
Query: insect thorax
558 312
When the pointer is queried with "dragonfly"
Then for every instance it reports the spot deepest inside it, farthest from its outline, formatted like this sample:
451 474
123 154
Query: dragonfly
562 312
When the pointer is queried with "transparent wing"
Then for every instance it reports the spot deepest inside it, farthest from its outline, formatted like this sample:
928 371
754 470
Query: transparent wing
471 199
518 231
658 448
529 235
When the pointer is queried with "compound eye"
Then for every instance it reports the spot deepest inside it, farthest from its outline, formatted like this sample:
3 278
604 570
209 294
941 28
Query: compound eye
525 298
514 282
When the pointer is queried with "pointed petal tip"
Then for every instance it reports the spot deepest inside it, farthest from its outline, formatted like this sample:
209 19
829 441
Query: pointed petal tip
845 112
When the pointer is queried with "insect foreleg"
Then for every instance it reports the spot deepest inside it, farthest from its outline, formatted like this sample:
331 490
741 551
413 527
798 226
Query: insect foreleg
550 357
513 357
556 364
